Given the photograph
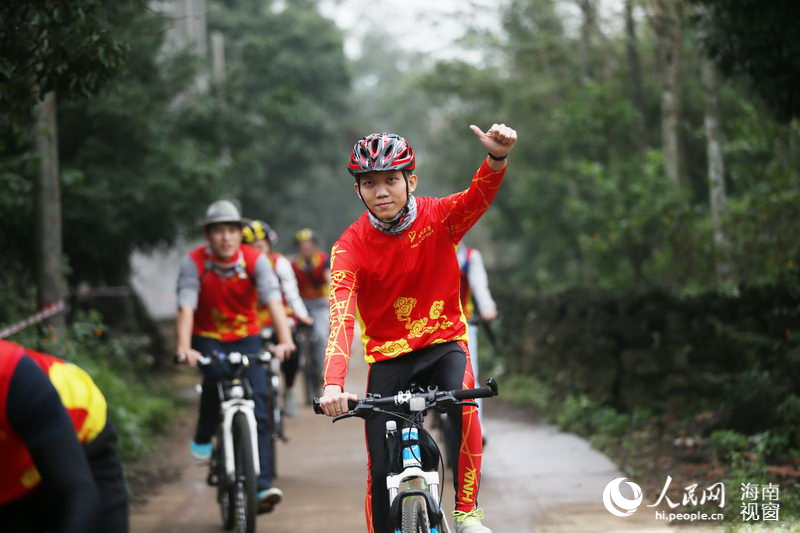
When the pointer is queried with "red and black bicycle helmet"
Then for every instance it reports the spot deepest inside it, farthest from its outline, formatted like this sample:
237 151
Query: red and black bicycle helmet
381 151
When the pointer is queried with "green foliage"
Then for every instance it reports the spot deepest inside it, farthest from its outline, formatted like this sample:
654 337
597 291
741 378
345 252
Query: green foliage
141 160
574 413
132 175
757 42
529 391
280 113
749 468
586 201
725 443
70 47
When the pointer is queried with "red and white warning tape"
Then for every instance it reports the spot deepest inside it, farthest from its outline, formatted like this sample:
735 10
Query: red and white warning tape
46 312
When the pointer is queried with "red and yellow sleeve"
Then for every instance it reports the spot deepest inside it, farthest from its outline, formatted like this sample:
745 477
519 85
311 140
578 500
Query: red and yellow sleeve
460 211
342 298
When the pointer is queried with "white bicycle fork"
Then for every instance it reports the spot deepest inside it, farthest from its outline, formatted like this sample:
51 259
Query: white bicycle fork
229 409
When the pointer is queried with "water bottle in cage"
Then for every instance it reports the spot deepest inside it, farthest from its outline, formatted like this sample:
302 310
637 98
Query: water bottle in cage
411 452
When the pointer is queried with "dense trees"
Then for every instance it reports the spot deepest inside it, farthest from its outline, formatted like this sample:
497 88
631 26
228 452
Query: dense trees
639 164
649 156
757 42
141 158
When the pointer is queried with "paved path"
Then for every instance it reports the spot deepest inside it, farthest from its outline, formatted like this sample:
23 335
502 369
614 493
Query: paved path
535 479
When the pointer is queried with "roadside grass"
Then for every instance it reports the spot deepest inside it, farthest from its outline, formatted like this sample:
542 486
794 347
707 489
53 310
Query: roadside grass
647 447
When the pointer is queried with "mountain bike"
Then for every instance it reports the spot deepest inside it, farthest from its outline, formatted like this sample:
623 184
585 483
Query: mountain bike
415 492
234 465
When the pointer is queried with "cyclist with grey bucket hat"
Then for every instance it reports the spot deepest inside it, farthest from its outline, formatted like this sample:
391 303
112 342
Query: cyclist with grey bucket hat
219 286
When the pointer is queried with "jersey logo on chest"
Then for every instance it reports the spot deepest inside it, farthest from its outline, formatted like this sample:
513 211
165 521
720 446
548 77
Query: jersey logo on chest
415 237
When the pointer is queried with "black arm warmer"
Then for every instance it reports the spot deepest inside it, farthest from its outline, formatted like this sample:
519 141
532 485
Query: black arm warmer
36 413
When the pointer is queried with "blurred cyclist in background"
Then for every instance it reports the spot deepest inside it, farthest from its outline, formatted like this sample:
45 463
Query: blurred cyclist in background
219 286
262 237
313 270
477 303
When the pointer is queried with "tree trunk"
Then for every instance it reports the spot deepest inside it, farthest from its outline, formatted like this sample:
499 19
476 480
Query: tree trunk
587 29
49 270
716 172
669 27
635 73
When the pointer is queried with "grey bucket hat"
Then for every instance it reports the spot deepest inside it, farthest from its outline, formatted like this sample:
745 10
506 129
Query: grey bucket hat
223 211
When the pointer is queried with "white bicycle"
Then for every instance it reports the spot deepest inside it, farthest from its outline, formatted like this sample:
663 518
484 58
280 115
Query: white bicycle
234 466
413 481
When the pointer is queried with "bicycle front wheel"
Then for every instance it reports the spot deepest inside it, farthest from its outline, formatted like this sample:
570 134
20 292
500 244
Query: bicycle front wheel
244 491
225 486
415 516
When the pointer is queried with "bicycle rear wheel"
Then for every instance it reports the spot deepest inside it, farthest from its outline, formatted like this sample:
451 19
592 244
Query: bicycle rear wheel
244 487
415 516
274 413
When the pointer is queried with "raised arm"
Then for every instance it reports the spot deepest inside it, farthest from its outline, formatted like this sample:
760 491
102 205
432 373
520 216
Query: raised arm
460 211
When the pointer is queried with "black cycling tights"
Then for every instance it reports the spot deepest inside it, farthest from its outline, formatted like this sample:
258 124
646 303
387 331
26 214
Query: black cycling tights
440 365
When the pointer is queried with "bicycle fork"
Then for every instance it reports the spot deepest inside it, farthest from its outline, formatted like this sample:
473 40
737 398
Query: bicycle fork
412 472
231 408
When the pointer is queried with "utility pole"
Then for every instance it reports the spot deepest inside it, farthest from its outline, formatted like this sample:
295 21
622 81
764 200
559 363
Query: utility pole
49 269
218 62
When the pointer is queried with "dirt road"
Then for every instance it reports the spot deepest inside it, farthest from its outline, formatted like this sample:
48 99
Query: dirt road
535 479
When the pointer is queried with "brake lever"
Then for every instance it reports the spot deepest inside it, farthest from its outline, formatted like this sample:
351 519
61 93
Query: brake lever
361 411
448 402
342 417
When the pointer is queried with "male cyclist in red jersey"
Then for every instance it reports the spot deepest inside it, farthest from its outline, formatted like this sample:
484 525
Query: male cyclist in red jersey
396 268
59 468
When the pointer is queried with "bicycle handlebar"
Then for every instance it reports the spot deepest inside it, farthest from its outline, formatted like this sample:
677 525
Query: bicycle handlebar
364 406
239 358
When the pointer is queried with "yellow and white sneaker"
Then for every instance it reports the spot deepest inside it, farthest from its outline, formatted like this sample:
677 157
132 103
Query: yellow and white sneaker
470 522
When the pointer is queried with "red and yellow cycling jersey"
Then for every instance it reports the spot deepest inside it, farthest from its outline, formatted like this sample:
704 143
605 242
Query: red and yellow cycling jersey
82 400
226 307
311 276
403 289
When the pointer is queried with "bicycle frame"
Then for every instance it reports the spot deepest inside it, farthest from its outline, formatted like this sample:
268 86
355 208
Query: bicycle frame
235 389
